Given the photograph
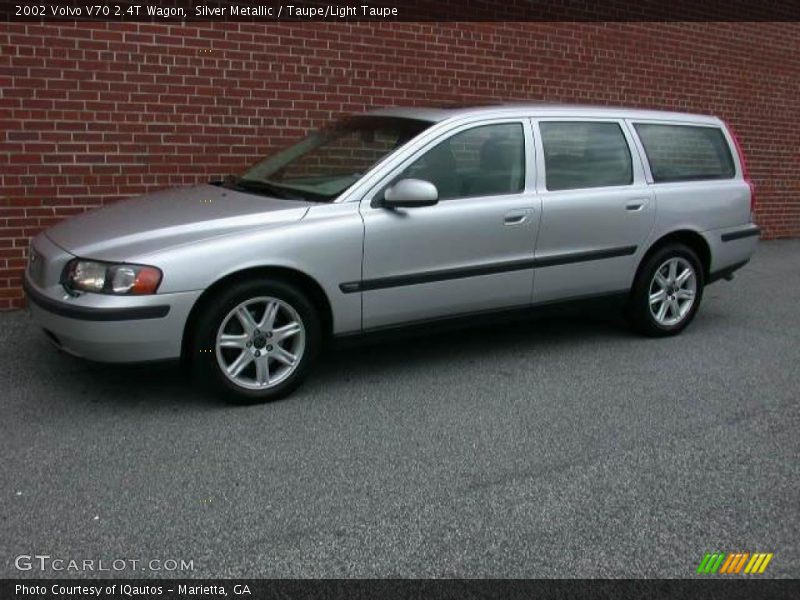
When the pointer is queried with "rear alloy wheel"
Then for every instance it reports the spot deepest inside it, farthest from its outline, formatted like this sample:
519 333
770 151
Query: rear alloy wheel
667 291
672 291
255 341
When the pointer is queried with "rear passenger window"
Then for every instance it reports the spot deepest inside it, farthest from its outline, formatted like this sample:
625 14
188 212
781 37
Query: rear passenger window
686 153
583 155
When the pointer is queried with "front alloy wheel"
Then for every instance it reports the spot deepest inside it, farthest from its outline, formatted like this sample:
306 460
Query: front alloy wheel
254 340
260 343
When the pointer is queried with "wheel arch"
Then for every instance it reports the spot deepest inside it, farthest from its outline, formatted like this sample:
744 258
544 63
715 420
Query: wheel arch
690 238
304 282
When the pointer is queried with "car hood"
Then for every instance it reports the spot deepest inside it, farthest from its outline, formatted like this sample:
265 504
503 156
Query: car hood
147 224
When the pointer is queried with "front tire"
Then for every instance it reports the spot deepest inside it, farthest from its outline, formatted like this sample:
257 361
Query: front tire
255 341
667 291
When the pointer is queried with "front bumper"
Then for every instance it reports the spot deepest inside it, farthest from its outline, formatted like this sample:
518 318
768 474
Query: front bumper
112 328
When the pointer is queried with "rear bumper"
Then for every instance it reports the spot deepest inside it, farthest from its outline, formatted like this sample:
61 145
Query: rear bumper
741 233
726 273
112 329
731 249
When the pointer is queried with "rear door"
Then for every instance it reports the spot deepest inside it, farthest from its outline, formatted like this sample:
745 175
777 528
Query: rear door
597 208
473 251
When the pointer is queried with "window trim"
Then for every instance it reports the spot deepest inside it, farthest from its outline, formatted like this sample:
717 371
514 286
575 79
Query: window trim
529 163
737 168
637 173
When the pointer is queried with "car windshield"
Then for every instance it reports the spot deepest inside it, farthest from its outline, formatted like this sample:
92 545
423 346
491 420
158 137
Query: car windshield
324 164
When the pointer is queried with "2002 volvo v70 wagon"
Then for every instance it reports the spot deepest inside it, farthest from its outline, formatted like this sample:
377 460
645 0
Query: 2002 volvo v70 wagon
400 216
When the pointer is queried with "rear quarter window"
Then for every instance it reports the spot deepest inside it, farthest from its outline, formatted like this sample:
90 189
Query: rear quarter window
685 152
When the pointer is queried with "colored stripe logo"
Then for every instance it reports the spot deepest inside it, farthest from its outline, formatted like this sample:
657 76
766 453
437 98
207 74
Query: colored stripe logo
734 563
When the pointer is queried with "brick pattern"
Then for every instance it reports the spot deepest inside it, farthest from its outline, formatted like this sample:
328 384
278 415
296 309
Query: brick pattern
92 112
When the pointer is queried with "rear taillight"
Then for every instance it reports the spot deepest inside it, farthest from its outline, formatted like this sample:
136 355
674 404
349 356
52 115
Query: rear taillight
745 172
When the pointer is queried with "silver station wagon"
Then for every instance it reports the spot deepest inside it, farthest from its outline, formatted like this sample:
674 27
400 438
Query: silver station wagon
395 217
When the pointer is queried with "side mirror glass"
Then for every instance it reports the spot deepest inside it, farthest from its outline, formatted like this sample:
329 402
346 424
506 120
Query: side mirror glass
410 193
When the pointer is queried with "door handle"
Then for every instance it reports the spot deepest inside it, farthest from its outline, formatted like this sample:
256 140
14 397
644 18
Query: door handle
636 204
517 217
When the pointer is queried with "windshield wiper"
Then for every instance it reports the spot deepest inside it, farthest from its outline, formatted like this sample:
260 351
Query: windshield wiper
254 185
264 186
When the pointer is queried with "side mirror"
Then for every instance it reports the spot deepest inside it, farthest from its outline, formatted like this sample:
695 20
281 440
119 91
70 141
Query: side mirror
410 193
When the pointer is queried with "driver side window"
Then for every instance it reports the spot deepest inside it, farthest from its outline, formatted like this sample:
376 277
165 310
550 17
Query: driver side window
488 160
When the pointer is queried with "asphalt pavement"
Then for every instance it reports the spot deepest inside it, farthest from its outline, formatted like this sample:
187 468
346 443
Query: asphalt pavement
562 447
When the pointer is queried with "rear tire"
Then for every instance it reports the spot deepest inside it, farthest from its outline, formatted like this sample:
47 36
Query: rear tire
255 340
667 291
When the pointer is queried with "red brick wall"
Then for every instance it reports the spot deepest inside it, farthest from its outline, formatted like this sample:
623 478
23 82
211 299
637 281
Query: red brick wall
94 112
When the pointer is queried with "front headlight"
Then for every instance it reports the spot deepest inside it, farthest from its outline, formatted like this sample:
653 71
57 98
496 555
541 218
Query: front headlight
110 278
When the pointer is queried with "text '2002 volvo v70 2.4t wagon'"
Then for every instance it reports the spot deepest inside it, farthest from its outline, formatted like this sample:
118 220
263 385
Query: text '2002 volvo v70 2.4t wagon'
395 217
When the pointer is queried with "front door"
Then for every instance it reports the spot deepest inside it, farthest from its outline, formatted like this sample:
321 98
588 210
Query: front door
470 252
